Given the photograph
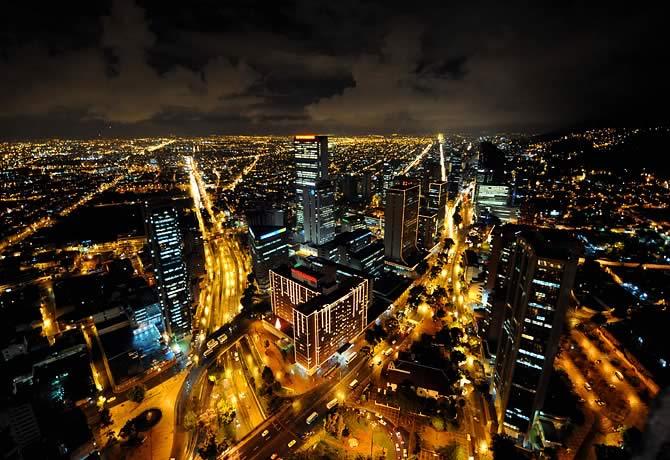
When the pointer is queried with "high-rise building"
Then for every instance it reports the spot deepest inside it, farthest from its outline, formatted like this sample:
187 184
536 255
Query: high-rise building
311 165
319 213
401 215
269 249
455 173
325 310
428 233
541 274
166 245
436 200
494 199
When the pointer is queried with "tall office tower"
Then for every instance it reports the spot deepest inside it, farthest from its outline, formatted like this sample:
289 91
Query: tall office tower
504 242
491 164
311 165
428 233
266 217
540 277
401 215
269 249
436 201
326 309
455 172
319 213
389 171
167 251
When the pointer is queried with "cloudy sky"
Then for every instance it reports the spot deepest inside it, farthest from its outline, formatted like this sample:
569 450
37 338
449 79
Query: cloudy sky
125 68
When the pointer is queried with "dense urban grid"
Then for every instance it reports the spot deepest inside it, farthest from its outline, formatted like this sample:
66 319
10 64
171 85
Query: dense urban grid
313 296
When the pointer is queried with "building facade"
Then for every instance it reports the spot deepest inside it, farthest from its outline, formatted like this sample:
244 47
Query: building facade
269 249
401 220
540 277
311 165
325 311
166 245
319 213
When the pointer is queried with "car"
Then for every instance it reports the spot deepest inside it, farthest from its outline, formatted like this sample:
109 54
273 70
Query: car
600 402
237 356
598 361
611 386
397 447
588 386
475 418
292 443
265 433
274 456
618 375
382 422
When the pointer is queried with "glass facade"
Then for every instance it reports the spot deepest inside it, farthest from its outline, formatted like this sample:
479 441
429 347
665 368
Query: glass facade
167 250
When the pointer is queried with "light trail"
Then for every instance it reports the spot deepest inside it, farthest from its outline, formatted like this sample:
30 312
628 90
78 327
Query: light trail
443 167
418 158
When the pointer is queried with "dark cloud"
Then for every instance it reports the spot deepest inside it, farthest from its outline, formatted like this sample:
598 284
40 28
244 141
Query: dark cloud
122 67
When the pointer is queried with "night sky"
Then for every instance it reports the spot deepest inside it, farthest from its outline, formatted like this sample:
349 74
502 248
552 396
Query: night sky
347 66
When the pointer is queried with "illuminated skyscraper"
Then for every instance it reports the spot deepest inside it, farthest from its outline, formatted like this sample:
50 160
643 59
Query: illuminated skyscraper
326 309
319 212
269 249
540 277
401 224
311 165
166 244
455 173
436 201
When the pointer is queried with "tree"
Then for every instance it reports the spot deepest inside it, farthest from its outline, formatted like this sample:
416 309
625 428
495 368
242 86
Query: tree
440 313
437 422
137 393
504 448
457 356
452 451
225 412
105 417
268 376
190 420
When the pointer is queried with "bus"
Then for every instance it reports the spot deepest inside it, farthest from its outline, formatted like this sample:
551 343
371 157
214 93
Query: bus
353 384
350 358
208 352
312 417
332 403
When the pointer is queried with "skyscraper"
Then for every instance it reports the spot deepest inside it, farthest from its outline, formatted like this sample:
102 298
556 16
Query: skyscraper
401 224
326 310
167 251
455 172
269 249
541 274
436 200
319 213
311 165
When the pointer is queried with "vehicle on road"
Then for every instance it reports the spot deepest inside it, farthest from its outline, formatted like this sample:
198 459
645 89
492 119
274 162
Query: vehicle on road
353 384
332 403
208 352
618 375
265 433
212 343
292 443
311 418
274 456
600 402
237 356
588 386
223 338
388 351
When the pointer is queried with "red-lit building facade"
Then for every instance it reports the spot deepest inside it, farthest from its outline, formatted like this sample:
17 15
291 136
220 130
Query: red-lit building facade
325 310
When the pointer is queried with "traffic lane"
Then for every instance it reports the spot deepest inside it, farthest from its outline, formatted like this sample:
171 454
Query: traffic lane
294 422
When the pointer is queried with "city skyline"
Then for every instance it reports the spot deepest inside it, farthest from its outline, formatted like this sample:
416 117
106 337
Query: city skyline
340 231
